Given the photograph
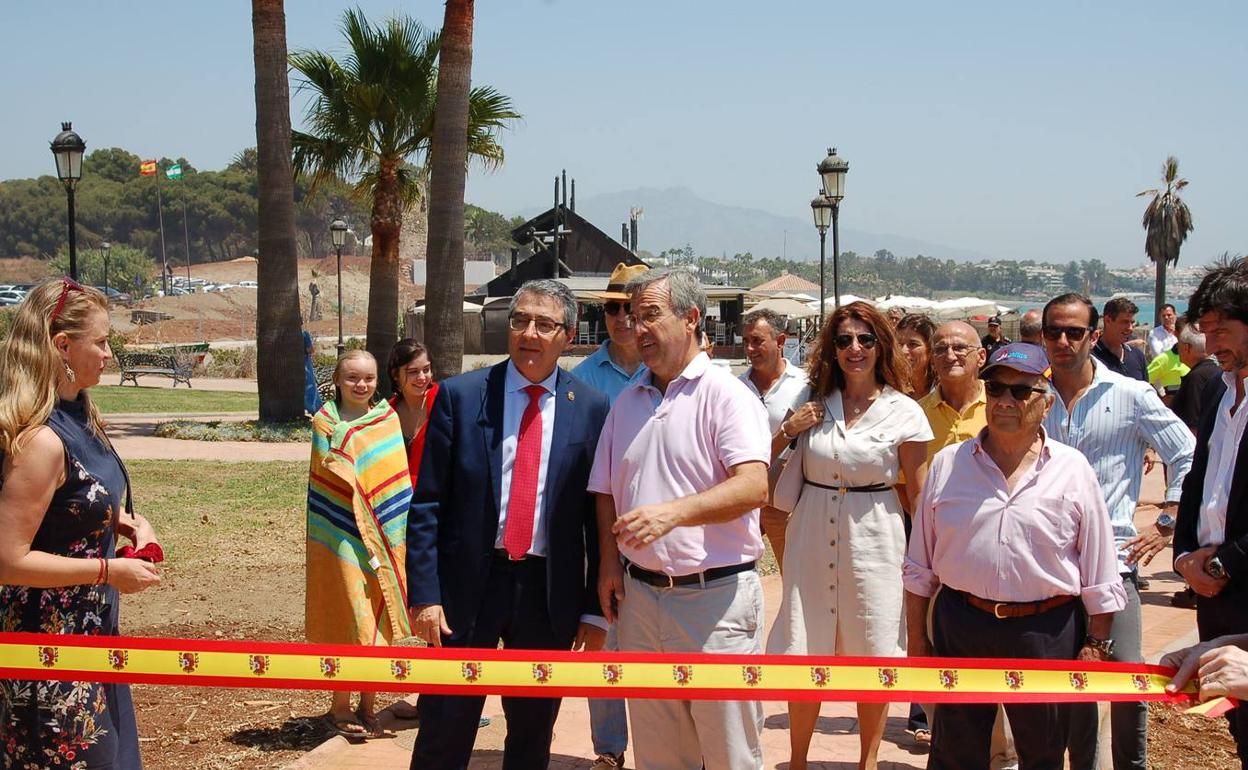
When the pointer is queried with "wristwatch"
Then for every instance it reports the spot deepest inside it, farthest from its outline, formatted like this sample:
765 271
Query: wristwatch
1165 523
1103 646
1215 569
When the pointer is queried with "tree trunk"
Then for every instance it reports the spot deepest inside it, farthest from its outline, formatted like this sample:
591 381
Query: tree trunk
1159 291
383 285
279 343
448 166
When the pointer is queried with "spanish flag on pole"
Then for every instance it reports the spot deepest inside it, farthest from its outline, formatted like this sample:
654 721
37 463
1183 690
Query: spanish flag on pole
147 168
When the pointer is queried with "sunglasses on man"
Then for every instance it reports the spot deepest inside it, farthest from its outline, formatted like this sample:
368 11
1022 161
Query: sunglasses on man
1020 393
614 307
1073 333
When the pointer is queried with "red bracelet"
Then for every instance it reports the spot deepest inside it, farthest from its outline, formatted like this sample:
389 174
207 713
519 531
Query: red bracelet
99 575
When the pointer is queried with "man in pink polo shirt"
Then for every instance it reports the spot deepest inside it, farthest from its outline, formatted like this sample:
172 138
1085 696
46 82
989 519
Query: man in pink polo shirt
1012 529
680 472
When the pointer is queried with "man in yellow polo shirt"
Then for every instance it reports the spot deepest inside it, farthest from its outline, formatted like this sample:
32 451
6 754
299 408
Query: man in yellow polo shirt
955 407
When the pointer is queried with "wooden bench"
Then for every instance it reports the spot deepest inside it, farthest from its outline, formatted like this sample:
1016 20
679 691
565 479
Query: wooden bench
135 365
325 382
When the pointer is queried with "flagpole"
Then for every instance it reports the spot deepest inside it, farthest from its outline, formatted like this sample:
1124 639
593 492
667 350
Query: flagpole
186 238
160 215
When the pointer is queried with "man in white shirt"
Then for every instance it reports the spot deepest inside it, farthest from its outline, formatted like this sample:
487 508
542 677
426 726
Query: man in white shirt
781 386
1211 535
1162 338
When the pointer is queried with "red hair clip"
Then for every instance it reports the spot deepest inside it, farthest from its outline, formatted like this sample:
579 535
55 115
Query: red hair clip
67 283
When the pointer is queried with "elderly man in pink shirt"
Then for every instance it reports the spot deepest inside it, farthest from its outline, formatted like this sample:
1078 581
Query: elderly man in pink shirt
1011 536
680 472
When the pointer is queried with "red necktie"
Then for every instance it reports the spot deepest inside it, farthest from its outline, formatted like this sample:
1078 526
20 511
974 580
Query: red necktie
518 530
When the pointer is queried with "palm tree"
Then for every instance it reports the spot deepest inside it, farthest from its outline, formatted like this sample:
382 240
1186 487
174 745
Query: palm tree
279 343
444 316
370 114
1167 220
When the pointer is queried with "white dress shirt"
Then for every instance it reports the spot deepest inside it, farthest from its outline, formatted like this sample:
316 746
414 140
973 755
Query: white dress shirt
1228 430
515 401
1160 340
784 394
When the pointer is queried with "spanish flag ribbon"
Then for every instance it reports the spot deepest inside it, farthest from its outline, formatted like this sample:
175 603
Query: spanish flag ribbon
546 673
147 168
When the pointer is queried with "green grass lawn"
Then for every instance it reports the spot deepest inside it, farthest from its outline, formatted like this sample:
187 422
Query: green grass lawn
127 399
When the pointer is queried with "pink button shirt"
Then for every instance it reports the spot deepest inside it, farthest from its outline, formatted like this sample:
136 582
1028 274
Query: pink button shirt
1049 537
658 447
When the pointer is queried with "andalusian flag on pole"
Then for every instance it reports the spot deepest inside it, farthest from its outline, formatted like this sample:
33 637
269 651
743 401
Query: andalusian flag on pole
147 168
174 171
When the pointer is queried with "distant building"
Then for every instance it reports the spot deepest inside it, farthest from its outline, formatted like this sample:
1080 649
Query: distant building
787 283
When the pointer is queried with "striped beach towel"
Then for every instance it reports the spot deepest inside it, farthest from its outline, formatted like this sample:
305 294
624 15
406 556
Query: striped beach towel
359 492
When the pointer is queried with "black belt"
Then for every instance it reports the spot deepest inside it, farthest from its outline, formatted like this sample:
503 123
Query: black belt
843 490
663 580
501 555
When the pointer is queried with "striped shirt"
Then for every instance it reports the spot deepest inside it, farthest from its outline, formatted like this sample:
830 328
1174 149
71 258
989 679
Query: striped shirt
1112 423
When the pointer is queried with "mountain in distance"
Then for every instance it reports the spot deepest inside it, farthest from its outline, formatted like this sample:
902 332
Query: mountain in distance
676 216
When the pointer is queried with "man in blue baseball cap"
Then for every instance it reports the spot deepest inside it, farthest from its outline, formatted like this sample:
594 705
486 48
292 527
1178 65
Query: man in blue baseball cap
1012 528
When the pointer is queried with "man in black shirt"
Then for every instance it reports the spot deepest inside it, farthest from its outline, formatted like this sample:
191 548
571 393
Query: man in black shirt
994 338
1112 348
1192 353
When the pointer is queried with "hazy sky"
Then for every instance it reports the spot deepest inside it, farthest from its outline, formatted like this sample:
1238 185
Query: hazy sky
1021 131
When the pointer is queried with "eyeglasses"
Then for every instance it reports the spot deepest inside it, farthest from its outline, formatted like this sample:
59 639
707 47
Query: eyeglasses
614 307
545 326
647 316
67 285
843 341
1019 392
1073 333
958 350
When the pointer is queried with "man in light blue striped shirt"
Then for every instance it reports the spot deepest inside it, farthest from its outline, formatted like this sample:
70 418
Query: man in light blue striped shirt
1112 420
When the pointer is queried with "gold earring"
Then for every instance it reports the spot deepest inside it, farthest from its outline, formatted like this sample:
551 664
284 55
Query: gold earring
69 373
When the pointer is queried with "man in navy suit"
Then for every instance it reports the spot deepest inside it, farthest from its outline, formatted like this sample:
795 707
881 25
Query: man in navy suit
502 535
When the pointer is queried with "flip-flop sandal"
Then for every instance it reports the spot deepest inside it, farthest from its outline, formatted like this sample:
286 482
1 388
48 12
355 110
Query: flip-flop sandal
372 727
404 711
344 727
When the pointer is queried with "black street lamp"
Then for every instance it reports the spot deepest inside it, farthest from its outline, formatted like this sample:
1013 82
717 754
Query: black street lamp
338 232
821 207
107 247
68 148
833 169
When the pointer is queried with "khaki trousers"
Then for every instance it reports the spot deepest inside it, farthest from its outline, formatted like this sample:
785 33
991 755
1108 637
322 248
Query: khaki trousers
724 616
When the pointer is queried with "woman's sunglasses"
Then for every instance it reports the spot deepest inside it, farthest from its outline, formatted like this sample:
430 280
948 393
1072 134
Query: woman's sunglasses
614 307
843 341
67 285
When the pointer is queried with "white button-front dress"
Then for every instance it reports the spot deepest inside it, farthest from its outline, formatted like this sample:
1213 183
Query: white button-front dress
843 550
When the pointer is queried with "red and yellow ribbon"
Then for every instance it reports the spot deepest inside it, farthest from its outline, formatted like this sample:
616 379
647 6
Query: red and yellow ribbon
543 673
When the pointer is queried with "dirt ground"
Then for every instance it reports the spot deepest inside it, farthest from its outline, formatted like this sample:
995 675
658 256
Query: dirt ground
231 315
234 570
252 588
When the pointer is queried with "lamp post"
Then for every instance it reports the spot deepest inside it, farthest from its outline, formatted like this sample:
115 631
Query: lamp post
68 148
832 169
338 231
107 247
821 207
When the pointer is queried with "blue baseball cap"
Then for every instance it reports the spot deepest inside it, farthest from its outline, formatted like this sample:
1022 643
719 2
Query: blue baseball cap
1024 357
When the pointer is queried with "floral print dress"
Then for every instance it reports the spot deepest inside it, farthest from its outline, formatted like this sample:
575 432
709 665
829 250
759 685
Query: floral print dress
71 725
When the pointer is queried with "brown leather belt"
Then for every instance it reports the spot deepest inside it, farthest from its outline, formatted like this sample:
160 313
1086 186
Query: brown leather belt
1002 610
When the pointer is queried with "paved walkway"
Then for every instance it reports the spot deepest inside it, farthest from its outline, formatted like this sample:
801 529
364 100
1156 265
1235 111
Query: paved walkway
131 435
835 744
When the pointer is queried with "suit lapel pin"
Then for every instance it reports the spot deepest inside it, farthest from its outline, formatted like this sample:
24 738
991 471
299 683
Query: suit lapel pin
571 396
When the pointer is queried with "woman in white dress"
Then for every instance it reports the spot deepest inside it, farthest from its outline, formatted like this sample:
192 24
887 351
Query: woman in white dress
842 582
